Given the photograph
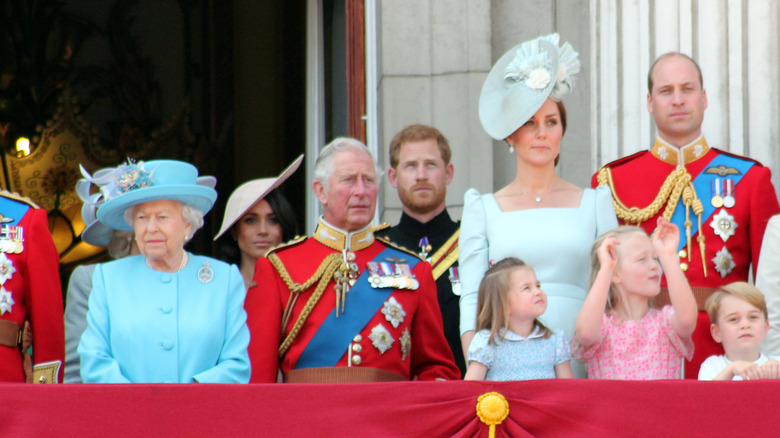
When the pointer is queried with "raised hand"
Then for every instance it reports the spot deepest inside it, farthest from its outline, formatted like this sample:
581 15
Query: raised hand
666 237
607 253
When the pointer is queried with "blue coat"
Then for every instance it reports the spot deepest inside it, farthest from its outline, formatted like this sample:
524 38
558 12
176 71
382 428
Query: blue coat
157 327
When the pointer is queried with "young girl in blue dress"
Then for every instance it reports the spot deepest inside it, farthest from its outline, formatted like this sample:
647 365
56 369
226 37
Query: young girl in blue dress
511 343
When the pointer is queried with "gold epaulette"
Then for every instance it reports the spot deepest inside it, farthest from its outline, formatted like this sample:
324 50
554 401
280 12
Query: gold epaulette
380 227
386 240
294 241
17 197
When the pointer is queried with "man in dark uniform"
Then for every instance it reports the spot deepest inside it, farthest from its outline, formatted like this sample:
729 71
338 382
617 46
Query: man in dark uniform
720 201
341 306
420 169
30 295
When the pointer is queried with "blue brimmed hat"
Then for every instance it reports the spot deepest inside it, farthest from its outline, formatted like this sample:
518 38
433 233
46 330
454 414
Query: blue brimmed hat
522 80
137 183
95 233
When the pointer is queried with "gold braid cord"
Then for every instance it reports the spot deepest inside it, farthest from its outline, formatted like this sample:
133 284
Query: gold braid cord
323 274
676 186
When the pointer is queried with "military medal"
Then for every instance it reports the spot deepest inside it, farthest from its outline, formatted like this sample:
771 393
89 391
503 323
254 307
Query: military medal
6 301
724 262
381 338
205 274
405 276
455 280
406 344
723 224
5 219
425 248
728 199
717 191
394 312
6 272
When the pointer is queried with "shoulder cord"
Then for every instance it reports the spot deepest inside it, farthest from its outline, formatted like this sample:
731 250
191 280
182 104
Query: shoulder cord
677 186
324 273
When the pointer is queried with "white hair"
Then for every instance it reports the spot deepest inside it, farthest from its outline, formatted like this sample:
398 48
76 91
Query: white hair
323 168
191 215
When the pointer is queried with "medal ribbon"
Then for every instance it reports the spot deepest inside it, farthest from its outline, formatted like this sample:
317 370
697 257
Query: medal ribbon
334 335
703 183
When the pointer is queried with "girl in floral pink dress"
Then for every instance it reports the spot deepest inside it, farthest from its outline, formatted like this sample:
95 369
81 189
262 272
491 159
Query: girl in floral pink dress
618 334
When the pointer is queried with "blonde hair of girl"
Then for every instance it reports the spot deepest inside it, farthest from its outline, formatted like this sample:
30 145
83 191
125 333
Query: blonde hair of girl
621 234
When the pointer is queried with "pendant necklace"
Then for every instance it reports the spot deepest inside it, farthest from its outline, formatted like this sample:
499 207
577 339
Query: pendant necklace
539 197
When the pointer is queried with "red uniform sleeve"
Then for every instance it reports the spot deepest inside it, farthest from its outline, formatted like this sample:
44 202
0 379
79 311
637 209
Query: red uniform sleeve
43 297
763 205
431 357
264 310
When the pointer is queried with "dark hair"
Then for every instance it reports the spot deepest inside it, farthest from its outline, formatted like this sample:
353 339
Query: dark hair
284 214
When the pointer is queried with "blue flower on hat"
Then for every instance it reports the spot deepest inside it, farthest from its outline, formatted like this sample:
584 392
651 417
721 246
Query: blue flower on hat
134 177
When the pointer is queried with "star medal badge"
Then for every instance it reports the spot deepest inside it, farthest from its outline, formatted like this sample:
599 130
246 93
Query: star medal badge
717 192
381 338
394 312
425 248
455 280
728 198
723 224
724 262
6 301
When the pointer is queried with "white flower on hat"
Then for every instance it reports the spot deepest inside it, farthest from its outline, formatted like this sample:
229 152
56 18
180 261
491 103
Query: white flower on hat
538 79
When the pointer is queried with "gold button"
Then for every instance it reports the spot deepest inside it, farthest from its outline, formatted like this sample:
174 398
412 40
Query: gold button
357 348
683 253
684 266
42 379
357 338
356 359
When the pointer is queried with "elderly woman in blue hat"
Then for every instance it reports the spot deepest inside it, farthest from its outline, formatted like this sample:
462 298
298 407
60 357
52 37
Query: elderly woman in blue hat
539 217
166 315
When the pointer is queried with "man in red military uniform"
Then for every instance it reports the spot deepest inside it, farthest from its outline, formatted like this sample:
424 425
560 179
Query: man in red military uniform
341 306
720 201
29 291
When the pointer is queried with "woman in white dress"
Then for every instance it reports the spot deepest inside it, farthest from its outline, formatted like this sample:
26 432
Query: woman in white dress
540 218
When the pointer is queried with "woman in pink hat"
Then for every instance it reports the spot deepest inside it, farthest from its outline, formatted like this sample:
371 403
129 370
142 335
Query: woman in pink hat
259 218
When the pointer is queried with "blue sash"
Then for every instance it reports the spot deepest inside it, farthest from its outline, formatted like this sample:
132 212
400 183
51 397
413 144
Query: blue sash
13 209
334 335
703 184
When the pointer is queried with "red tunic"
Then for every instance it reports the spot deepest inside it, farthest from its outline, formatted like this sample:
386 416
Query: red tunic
637 180
35 289
429 357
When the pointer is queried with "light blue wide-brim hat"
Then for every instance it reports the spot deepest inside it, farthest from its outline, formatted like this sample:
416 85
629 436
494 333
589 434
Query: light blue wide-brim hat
156 180
518 85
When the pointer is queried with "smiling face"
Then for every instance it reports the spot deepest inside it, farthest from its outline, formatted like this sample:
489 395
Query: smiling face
421 177
526 299
740 327
538 141
349 200
677 100
160 231
257 231
638 271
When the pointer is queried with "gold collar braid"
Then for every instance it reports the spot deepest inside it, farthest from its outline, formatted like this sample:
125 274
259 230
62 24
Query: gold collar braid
677 186
335 238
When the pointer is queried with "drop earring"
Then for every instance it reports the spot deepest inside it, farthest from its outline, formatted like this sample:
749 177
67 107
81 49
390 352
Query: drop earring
511 149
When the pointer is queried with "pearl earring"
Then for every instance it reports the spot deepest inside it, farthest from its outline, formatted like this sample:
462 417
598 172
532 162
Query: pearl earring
511 149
